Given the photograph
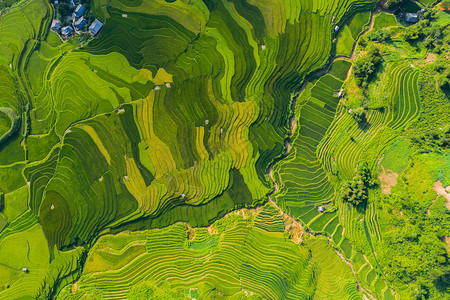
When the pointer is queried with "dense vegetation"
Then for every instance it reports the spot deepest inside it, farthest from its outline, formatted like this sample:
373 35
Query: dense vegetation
225 149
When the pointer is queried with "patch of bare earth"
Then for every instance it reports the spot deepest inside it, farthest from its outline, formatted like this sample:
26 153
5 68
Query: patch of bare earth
388 179
431 58
212 229
294 229
444 192
74 287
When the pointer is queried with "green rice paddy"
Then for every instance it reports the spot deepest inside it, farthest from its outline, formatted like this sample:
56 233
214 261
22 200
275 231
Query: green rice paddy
180 154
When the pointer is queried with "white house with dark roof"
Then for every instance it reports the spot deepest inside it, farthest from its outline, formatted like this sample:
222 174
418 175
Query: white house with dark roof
79 11
56 24
95 27
412 18
80 23
66 31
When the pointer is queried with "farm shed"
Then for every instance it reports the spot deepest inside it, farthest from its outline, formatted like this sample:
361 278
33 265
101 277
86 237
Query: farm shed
56 24
67 31
412 18
80 23
79 11
95 27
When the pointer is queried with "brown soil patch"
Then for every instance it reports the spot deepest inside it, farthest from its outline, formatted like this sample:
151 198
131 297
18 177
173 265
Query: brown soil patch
444 192
294 229
431 58
212 229
388 179
74 287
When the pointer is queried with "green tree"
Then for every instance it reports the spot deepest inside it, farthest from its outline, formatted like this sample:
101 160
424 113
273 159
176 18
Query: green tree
355 191
365 66
380 35
359 114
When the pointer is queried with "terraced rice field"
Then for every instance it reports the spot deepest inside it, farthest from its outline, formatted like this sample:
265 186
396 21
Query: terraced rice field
145 161
242 254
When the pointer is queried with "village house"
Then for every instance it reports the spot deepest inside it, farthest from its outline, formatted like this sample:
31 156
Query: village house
80 23
79 11
56 24
95 27
412 18
66 31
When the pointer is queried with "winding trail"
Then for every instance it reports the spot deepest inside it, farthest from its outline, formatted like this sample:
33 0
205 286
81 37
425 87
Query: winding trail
293 127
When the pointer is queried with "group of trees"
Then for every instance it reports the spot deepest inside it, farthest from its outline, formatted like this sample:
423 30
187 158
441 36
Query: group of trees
443 79
412 252
438 140
381 35
365 66
355 191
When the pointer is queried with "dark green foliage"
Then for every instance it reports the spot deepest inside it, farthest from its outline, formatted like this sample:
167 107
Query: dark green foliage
432 141
380 35
2 201
365 66
64 10
355 191
411 33
444 81
390 4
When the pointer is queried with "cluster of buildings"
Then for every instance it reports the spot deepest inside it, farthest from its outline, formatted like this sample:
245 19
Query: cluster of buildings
79 22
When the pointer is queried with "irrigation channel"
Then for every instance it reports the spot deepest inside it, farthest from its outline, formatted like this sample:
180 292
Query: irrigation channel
293 127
